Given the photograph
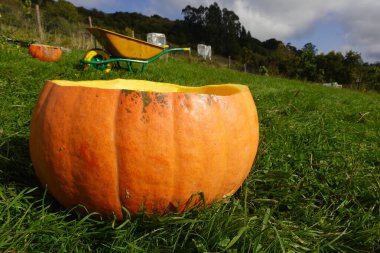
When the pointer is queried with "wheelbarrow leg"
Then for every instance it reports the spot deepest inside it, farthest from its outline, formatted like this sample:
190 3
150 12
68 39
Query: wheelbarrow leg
130 67
143 67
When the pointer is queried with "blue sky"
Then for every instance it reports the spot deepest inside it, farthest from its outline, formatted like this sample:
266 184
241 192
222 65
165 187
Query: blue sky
338 25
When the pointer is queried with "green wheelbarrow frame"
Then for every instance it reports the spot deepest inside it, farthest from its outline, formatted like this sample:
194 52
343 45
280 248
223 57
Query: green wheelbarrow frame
102 63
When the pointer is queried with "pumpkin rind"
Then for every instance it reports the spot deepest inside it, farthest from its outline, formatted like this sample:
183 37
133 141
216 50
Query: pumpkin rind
45 52
144 150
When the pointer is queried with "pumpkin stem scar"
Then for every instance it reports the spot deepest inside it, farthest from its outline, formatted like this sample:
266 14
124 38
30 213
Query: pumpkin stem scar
146 99
161 100
126 92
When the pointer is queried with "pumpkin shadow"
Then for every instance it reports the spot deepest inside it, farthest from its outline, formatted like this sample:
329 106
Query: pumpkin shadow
15 163
16 171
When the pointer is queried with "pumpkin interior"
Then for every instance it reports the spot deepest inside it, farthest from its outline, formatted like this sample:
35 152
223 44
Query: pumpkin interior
142 85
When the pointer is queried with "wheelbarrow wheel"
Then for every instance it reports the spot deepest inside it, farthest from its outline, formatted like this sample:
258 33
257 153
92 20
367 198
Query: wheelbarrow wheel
97 55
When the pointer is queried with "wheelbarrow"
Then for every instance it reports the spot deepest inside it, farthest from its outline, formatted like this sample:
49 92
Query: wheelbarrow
121 48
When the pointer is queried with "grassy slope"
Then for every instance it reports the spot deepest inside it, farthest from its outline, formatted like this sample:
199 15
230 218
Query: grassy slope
315 184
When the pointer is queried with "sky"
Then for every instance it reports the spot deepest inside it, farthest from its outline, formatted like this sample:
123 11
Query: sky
331 25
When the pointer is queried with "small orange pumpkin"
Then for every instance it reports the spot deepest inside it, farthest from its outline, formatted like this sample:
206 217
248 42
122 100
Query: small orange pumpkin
45 52
142 145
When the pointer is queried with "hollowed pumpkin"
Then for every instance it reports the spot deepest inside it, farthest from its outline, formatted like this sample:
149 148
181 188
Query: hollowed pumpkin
142 145
45 52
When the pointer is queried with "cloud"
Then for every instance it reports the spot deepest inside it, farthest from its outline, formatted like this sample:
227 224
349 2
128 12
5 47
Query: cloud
172 8
361 25
108 6
284 20
295 18
280 19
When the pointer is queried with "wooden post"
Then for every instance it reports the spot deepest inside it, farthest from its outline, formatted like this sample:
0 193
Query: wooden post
229 62
245 67
92 37
39 23
90 21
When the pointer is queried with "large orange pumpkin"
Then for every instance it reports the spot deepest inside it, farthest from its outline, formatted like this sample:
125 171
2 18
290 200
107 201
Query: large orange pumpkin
142 145
45 52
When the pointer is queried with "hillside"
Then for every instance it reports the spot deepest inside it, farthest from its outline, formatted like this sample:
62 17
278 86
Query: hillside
314 185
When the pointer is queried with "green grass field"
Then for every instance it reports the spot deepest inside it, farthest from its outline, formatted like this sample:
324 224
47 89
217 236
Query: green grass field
315 185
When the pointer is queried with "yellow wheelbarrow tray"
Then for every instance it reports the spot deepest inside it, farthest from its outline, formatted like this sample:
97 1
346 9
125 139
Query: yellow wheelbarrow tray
121 48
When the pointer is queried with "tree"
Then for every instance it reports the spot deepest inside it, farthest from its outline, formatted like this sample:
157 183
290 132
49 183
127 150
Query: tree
332 65
231 32
62 15
353 62
292 48
308 66
219 28
271 44
288 61
194 15
371 77
214 30
195 20
246 56
353 59
310 48
27 6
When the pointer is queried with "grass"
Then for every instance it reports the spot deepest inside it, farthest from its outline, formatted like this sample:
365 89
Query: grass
315 185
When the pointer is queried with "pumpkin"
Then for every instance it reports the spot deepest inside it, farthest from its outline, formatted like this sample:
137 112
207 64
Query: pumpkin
146 146
45 52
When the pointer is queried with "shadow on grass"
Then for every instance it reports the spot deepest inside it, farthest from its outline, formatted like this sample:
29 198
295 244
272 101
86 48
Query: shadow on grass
15 164
16 172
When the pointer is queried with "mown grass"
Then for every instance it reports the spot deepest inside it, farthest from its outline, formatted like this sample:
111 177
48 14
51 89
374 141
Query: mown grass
315 185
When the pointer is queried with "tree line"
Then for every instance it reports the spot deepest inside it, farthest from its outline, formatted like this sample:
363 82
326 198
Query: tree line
222 29
215 26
